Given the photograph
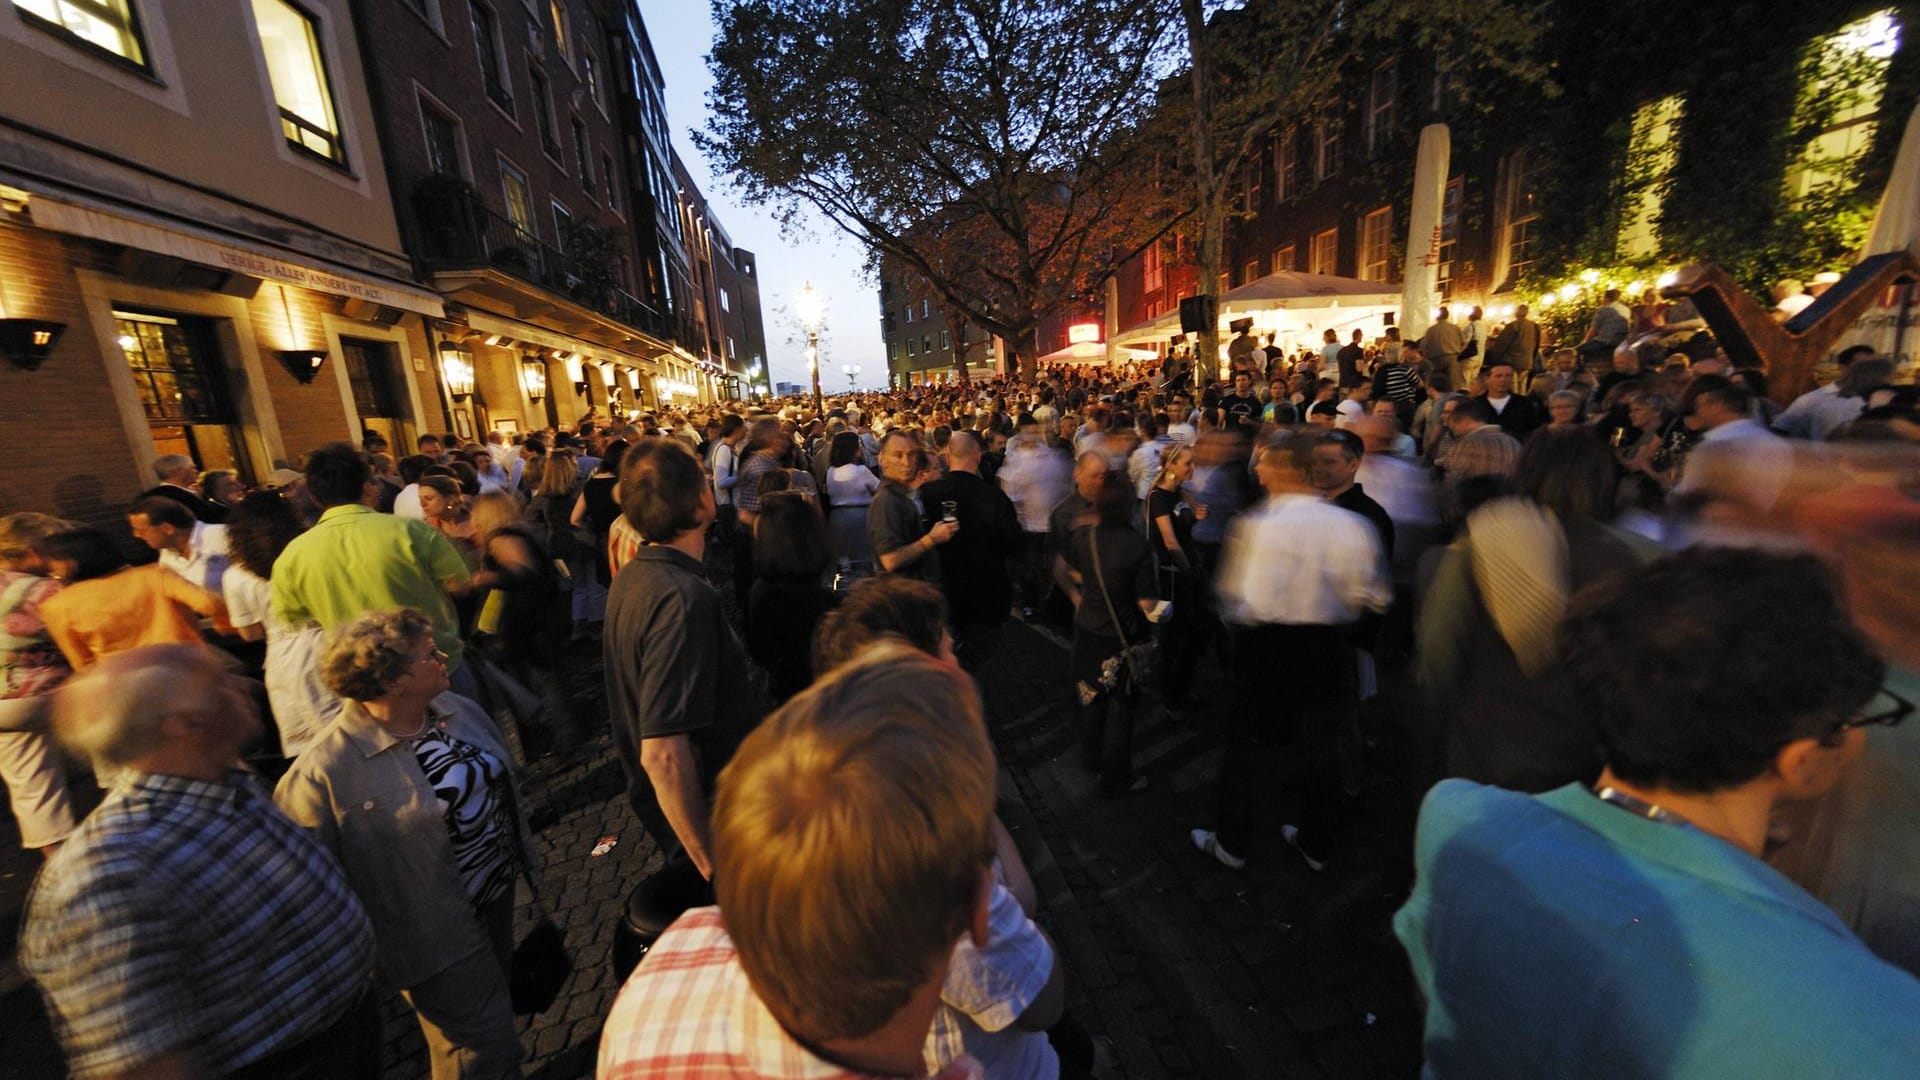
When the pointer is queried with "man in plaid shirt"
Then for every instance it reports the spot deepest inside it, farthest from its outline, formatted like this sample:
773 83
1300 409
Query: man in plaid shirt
188 928
853 846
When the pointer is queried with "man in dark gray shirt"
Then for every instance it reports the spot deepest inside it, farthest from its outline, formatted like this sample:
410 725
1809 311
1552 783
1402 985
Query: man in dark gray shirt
676 695
902 542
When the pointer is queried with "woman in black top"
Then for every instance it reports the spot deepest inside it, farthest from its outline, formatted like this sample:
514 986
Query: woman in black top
1112 572
592 520
791 552
525 620
1170 530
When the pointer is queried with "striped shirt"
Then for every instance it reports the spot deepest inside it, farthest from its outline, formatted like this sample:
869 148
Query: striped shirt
192 915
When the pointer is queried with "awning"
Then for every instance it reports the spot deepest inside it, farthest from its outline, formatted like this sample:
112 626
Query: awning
530 334
152 232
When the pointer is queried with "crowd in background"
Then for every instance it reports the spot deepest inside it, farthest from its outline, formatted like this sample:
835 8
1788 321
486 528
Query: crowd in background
1624 729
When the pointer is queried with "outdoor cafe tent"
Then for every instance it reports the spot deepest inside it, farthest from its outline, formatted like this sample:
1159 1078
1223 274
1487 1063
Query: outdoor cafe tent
1295 305
1093 352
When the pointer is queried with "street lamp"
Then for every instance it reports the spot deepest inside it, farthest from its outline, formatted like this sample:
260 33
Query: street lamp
811 306
853 372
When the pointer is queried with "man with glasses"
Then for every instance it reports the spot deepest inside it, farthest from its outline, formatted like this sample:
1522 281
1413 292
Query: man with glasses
1629 927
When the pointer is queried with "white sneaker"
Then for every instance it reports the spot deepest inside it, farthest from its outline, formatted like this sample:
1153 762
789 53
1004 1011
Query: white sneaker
1291 835
1208 841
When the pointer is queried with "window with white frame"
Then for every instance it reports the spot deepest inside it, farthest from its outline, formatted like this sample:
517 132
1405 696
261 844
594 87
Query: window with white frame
518 198
562 39
1286 165
1326 143
909 312
1381 92
1652 151
1450 204
606 177
290 40
1250 272
926 309
945 341
910 347
441 130
582 155
1324 256
1523 215
1843 79
1154 271
1283 258
562 225
543 119
726 301
1376 245
493 58
108 27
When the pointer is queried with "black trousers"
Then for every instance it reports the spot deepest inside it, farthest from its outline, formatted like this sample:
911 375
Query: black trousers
1294 694
1183 638
1106 721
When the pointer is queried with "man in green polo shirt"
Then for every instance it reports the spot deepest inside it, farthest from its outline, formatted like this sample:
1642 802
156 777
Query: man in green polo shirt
357 560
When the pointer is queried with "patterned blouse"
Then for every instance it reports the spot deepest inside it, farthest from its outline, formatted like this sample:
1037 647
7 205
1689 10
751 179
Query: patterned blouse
30 663
472 785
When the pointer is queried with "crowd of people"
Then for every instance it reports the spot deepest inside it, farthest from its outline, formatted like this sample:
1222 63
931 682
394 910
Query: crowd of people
1651 616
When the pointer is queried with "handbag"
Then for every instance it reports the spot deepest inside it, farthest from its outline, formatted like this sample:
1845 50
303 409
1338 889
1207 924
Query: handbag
1142 661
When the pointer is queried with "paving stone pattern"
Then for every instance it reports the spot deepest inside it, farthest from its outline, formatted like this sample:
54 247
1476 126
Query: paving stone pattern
1192 970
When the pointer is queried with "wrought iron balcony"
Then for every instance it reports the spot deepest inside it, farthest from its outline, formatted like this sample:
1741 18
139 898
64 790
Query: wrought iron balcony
458 232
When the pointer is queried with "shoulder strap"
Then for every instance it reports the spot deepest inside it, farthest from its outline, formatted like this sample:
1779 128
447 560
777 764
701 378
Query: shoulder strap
1099 579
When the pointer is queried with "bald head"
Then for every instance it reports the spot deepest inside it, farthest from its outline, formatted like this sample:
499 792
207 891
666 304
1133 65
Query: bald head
963 451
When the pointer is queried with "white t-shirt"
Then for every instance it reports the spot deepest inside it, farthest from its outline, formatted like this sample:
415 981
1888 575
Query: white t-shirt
987 990
303 707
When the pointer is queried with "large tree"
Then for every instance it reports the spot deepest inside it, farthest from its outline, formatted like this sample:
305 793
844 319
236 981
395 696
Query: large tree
995 147
1254 70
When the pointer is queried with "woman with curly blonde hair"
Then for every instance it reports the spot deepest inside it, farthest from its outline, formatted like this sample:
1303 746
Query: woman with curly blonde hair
410 788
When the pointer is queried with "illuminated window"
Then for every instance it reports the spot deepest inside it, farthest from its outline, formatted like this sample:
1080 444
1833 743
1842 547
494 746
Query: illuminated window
1376 245
519 199
1843 77
1523 215
558 9
1380 99
1651 152
1283 258
1250 271
290 39
1325 253
108 26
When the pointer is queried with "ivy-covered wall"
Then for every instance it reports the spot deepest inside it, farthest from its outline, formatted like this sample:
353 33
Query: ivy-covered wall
1739 66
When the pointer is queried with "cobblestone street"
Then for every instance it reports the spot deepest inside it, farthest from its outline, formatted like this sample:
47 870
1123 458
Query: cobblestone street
1191 969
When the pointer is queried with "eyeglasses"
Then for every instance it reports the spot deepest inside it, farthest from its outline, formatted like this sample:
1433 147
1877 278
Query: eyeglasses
434 657
1887 708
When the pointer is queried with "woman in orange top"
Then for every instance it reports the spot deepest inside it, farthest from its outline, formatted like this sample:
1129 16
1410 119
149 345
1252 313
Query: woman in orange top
107 606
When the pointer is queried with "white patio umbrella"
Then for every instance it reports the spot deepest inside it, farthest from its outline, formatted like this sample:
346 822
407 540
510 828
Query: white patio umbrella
1896 225
1094 352
1421 292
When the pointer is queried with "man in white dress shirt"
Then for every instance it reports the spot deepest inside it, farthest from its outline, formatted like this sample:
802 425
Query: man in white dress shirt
1736 460
1297 572
193 549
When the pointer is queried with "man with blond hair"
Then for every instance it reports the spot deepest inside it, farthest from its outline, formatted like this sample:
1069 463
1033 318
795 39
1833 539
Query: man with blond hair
188 928
853 840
